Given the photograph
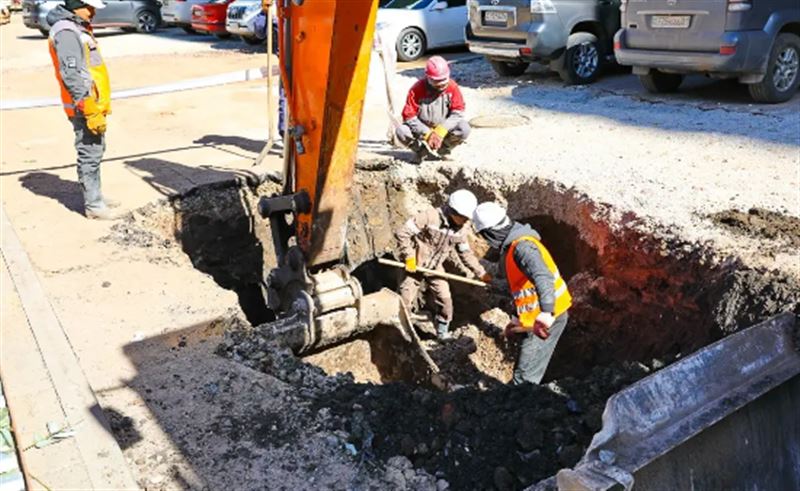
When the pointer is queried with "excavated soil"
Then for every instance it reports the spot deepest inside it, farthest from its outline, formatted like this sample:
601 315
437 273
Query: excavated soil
642 297
761 223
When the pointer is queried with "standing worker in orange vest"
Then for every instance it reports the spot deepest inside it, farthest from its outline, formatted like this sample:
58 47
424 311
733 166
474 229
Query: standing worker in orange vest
540 293
85 94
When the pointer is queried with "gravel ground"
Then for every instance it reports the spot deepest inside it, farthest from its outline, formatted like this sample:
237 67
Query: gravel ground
671 162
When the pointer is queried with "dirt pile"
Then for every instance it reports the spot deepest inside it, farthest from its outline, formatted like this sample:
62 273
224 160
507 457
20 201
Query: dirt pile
761 223
484 435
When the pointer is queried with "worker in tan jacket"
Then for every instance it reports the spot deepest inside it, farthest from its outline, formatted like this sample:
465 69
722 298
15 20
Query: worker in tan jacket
426 240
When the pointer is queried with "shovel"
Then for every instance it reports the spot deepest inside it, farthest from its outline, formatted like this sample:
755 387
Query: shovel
433 272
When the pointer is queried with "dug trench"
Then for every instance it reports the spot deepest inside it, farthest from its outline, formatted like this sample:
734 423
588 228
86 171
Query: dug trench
642 298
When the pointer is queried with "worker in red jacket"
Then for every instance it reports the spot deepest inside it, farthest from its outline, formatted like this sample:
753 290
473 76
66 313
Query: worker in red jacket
433 117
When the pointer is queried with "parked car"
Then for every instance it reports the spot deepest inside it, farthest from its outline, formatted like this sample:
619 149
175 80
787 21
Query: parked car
130 15
210 17
575 37
178 13
421 25
241 18
756 41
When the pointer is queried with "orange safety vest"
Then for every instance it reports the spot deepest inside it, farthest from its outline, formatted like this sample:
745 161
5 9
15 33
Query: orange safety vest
95 66
524 291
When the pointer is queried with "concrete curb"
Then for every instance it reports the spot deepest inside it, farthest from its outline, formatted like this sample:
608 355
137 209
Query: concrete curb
98 453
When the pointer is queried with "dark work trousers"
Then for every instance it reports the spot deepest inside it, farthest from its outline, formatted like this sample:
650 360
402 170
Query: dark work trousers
535 353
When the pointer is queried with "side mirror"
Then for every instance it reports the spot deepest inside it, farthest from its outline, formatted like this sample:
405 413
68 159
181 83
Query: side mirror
439 6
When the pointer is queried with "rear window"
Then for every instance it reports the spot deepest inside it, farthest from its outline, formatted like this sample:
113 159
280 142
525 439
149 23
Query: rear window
408 4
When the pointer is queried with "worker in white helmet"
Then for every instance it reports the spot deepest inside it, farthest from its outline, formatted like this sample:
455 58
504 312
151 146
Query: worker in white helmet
428 239
540 293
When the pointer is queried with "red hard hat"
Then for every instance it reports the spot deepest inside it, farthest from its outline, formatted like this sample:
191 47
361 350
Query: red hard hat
437 68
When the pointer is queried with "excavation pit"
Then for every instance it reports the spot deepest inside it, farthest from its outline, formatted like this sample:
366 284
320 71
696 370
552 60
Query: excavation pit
642 298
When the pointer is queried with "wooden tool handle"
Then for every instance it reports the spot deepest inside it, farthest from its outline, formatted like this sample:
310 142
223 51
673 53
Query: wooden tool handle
433 272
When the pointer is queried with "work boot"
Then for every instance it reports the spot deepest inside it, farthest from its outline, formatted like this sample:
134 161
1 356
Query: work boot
443 331
104 213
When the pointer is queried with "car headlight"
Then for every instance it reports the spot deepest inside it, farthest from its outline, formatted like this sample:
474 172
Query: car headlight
542 7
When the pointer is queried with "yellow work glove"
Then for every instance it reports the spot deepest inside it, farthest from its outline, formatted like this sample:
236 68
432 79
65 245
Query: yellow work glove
441 131
95 117
96 123
411 265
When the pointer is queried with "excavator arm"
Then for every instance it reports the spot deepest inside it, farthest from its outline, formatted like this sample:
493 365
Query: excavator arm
324 58
325 48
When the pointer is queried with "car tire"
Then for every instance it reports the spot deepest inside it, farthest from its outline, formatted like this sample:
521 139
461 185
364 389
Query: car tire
222 35
783 71
188 30
411 44
509 68
252 41
45 32
147 20
658 82
583 59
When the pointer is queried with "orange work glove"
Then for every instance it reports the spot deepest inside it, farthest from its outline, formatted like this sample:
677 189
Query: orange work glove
411 265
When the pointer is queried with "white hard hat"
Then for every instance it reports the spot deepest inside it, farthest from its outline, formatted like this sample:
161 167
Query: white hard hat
462 202
488 215
98 4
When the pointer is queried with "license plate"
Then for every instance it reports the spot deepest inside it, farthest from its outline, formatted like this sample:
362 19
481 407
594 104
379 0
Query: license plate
670 21
492 17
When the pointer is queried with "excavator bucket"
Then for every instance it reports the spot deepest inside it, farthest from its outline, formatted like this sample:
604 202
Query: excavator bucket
725 417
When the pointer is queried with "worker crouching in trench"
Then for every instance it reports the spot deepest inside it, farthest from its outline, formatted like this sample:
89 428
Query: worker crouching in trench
540 293
427 240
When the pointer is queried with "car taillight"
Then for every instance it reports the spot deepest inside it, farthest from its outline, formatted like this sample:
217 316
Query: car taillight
739 5
526 51
727 50
617 45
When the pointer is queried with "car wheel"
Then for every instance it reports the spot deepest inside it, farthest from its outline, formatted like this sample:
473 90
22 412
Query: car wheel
146 21
509 68
188 30
222 35
782 77
253 41
410 44
658 82
583 59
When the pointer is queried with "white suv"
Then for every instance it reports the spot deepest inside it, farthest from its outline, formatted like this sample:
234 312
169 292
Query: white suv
241 17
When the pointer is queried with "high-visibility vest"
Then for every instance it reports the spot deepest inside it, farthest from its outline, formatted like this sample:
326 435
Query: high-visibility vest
95 66
523 290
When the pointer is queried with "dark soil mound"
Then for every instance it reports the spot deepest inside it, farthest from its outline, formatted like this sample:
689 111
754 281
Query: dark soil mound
761 223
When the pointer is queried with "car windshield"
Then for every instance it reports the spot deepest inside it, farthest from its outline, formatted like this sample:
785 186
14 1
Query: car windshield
408 4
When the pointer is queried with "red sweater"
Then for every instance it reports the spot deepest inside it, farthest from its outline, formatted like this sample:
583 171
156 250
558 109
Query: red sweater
425 108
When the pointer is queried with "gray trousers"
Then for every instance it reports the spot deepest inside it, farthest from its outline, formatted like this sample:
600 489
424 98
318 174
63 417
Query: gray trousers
456 136
535 353
90 148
